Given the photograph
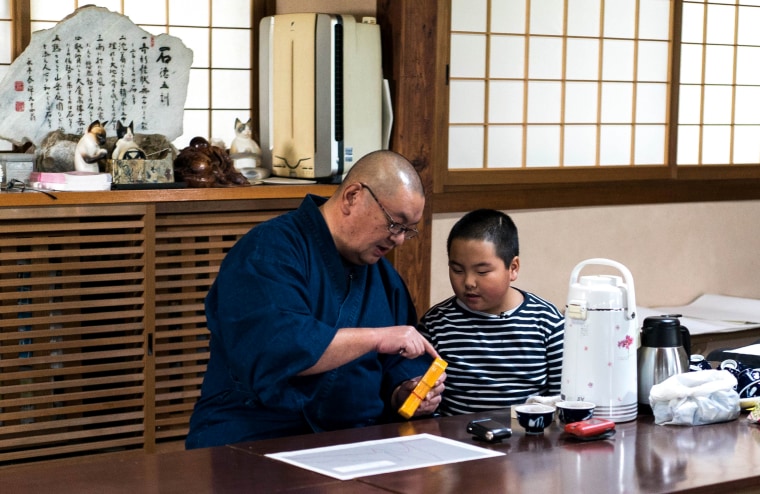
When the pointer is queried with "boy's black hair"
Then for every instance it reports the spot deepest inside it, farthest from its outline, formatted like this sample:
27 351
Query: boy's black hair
488 225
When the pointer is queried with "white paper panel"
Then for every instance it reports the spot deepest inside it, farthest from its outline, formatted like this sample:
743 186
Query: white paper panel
719 64
691 64
468 55
720 24
749 20
469 15
5 48
651 103
583 17
237 13
197 89
688 145
505 101
747 144
507 58
546 16
654 19
652 61
505 143
615 145
619 19
544 102
716 144
144 12
582 59
581 102
5 9
617 102
689 104
223 56
195 38
580 145
466 101
748 106
189 12
51 10
507 16
617 60
230 89
692 30
748 64
649 145
545 58
717 105
465 147
542 146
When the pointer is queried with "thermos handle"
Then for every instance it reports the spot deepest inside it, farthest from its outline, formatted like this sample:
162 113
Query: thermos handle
630 292
686 340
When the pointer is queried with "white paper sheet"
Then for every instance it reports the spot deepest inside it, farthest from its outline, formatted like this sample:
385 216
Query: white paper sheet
711 313
348 461
747 350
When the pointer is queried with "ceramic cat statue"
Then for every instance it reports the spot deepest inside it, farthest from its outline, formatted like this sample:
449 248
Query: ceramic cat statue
90 148
126 148
246 153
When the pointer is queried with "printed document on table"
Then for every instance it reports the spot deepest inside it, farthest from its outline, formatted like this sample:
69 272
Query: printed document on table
712 313
348 461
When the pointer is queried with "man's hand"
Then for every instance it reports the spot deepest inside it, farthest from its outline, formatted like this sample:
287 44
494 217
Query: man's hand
431 401
404 340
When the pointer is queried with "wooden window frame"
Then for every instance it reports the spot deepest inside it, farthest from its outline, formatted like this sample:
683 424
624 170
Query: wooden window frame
463 190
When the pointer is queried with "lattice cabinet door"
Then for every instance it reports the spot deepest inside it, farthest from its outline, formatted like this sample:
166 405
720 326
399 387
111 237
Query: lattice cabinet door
72 330
189 249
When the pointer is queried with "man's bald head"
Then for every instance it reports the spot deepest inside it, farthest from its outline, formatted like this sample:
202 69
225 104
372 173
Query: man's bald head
386 171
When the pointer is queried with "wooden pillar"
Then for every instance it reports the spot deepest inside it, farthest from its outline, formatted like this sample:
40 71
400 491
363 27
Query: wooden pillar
411 36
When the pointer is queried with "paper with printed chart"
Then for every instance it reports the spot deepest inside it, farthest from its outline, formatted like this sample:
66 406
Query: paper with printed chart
348 461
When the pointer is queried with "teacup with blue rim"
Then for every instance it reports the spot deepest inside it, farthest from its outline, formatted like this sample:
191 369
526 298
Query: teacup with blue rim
574 411
534 418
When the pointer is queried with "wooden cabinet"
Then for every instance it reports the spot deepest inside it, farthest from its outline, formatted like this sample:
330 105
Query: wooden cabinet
103 339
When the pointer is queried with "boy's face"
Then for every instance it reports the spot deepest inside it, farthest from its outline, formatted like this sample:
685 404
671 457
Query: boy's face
479 277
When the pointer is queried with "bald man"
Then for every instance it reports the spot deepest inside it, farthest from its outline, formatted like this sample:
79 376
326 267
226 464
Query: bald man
311 327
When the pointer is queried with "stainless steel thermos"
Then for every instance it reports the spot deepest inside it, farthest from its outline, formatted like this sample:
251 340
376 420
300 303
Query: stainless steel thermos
664 352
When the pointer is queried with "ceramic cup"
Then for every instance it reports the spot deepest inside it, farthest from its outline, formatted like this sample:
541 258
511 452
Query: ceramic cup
748 383
698 363
534 418
574 411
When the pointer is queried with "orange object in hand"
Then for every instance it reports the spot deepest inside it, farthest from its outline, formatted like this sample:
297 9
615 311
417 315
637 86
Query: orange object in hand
421 390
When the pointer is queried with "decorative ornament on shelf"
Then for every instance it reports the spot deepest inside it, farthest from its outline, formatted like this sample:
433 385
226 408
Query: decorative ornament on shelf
126 148
203 165
246 153
90 148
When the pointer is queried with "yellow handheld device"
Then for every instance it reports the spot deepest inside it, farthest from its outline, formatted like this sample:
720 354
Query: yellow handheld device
428 381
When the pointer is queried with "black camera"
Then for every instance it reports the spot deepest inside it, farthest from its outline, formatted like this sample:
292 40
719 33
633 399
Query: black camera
488 430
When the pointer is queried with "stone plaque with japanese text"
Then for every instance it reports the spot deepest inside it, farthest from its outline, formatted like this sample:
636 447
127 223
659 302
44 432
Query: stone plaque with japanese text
95 65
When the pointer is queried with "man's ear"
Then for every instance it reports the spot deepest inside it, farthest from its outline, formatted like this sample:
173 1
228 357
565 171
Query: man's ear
349 197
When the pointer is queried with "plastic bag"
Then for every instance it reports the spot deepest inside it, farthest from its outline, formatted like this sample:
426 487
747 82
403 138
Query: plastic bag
695 398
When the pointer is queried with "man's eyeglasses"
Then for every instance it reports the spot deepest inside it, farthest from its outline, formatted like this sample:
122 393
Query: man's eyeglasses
393 227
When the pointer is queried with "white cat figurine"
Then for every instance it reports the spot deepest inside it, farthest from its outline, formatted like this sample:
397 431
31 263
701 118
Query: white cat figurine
126 148
90 148
246 153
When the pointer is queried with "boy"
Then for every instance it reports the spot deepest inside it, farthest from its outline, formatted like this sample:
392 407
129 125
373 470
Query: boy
502 344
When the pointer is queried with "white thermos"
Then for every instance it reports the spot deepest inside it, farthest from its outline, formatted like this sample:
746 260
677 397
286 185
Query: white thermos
601 339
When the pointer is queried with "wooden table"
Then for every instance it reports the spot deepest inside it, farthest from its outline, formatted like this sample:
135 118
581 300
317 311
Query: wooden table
641 457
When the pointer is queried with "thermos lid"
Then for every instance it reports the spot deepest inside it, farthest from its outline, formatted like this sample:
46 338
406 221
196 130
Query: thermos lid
661 331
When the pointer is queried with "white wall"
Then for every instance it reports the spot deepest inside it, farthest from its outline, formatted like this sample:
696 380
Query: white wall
675 252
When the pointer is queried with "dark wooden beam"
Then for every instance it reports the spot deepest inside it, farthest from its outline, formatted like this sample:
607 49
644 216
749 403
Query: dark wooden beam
410 34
